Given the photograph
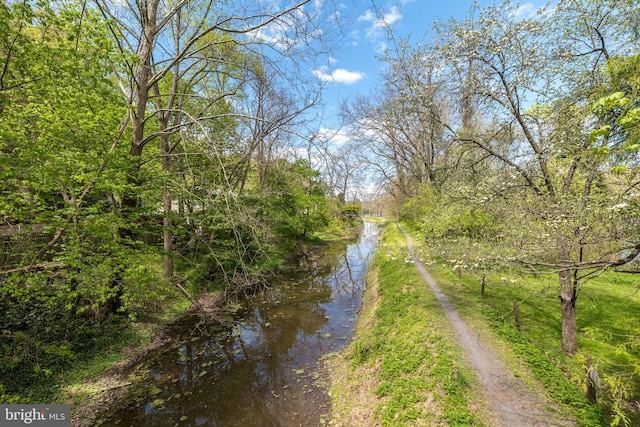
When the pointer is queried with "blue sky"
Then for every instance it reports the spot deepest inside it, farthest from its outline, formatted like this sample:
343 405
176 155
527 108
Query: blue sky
354 69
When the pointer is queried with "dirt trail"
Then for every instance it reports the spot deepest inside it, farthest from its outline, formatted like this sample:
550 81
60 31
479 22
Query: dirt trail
513 403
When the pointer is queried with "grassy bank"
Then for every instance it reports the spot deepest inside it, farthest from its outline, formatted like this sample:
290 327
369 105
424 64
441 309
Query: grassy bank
404 366
608 318
78 384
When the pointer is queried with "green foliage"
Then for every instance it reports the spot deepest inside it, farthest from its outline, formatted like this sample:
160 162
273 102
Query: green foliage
618 108
60 317
80 274
443 216
58 126
296 204
350 212
89 263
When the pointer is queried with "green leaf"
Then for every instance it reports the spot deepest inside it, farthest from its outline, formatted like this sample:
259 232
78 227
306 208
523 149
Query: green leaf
609 102
597 133
619 170
631 119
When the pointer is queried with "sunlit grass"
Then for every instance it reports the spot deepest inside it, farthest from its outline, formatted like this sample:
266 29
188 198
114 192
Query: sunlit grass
608 321
410 356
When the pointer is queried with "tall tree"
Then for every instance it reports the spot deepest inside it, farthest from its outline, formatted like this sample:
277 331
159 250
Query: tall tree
401 125
178 39
61 131
273 114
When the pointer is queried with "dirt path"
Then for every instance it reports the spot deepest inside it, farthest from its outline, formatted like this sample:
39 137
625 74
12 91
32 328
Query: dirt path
513 403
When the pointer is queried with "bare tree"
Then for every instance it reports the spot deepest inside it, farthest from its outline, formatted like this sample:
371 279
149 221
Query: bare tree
175 50
401 126
273 112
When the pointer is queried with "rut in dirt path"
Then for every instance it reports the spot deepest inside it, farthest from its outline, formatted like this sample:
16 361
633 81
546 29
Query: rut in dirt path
513 403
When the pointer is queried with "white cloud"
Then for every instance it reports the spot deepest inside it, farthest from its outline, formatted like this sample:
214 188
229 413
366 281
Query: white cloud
283 32
378 23
525 10
381 47
339 75
389 18
274 36
368 16
337 137
355 36
332 60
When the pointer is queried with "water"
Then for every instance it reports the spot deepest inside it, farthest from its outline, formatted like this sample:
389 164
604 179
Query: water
265 370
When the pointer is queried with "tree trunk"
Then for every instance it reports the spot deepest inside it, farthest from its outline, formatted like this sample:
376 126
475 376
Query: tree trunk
568 310
167 227
167 234
139 101
569 326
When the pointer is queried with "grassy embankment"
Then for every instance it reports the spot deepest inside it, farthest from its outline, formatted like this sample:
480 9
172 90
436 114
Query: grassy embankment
608 313
404 366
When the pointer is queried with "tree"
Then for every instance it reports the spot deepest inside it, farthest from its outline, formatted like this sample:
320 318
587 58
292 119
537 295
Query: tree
401 125
556 173
61 134
535 124
274 113
296 200
343 170
204 43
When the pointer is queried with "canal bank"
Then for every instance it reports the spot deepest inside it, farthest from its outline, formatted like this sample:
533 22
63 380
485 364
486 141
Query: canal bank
269 360
404 365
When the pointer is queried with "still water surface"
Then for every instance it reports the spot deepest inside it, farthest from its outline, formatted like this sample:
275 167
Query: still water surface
265 370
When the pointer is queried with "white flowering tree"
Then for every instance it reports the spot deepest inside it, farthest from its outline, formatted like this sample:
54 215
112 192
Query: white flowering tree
530 122
558 128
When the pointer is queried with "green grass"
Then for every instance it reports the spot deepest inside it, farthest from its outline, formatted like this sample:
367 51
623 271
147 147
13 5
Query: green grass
420 378
608 321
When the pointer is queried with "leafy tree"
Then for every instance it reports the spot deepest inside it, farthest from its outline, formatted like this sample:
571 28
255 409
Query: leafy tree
296 200
208 51
62 168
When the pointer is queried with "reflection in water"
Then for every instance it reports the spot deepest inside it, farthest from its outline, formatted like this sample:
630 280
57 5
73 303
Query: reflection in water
263 371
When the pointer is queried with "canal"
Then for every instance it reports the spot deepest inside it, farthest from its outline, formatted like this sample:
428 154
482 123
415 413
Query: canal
266 369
